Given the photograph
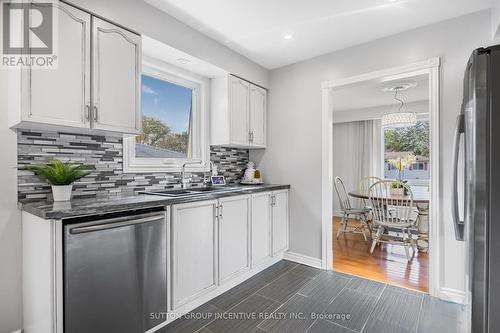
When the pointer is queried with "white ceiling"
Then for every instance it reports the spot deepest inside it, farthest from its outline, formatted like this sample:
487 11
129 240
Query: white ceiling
255 28
370 94
153 49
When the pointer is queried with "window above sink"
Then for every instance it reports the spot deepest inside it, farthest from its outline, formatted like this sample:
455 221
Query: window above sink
174 108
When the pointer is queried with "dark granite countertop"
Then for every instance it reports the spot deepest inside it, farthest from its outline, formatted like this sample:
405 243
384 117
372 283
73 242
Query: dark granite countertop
95 206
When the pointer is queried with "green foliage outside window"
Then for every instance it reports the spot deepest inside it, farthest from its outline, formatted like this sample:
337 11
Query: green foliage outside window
158 134
414 139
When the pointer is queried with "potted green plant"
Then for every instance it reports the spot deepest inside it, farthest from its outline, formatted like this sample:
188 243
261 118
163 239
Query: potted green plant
60 176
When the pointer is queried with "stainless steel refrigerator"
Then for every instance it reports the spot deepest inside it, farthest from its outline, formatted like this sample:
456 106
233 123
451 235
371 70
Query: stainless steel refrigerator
476 204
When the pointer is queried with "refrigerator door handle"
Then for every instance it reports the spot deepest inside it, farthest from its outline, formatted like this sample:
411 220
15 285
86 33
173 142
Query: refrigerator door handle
457 223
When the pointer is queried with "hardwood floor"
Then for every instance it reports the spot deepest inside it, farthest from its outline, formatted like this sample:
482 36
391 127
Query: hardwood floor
351 255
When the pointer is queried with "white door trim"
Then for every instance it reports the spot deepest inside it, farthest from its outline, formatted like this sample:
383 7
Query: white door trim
430 67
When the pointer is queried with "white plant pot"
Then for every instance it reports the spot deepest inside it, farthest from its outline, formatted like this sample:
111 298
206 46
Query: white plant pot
62 192
399 192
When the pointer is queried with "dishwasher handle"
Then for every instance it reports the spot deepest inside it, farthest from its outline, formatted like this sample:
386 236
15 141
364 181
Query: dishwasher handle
114 223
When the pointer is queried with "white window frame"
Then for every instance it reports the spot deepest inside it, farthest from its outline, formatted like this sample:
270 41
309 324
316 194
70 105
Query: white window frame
200 106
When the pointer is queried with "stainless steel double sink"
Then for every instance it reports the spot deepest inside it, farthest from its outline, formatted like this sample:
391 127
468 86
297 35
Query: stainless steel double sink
192 191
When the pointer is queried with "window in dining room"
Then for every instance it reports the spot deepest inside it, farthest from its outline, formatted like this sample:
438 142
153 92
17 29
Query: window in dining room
406 153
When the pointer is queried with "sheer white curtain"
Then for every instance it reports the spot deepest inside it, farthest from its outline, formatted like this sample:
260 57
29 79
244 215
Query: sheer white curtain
357 153
378 149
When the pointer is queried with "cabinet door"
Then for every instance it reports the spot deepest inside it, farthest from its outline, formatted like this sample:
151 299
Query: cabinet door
61 96
194 250
280 221
261 228
234 237
116 80
239 94
258 107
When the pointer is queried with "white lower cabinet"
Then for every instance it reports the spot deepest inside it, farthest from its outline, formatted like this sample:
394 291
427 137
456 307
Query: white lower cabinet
279 203
261 228
194 250
220 242
234 237
269 225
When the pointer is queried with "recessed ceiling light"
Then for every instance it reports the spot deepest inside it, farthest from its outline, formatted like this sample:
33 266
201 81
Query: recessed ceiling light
287 36
393 0
183 61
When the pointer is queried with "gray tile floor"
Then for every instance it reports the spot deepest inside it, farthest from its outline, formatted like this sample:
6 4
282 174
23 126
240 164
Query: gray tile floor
289 297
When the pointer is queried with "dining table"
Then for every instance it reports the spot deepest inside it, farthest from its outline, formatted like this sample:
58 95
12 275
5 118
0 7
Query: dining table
421 198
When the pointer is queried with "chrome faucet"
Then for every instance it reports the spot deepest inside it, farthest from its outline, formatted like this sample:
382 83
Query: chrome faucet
185 181
206 179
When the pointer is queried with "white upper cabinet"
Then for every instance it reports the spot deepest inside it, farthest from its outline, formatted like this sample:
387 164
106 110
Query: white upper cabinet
61 96
116 73
258 110
239 98
98 90
238 113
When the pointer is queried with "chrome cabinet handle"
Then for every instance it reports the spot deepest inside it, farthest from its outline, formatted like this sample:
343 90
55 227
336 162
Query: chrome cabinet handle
221 211
87 112
459 225
95 113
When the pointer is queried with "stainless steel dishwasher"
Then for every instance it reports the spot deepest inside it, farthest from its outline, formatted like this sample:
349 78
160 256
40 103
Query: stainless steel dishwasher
115 272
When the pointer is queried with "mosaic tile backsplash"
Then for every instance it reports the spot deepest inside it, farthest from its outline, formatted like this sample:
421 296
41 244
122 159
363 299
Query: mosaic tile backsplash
105 155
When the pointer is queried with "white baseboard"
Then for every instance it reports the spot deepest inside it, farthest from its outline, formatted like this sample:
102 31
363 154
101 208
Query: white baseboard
303 259
452 295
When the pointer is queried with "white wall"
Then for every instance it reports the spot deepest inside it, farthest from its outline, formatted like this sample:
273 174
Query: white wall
10 224
150 21
294 136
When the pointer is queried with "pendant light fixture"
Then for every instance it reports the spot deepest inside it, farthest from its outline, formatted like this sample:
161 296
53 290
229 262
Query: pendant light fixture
399 119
